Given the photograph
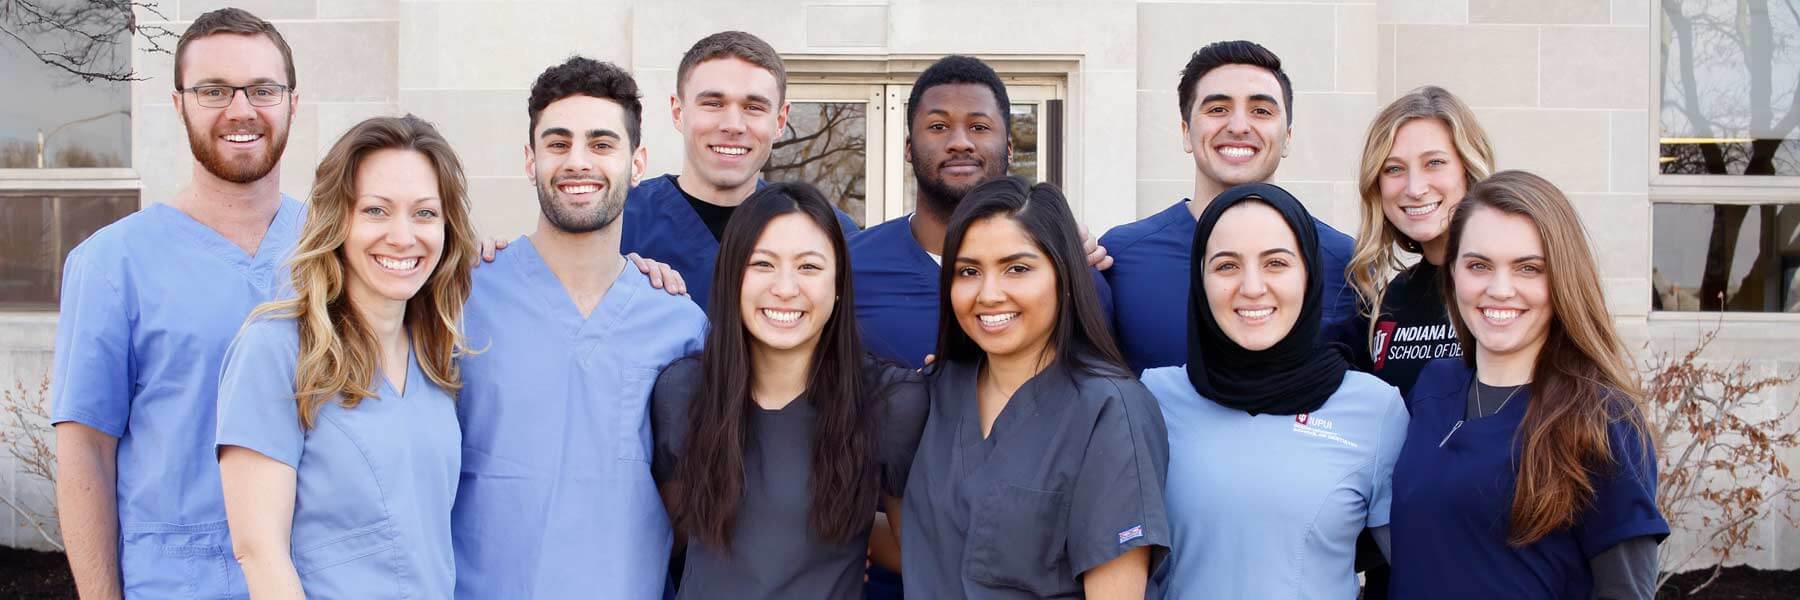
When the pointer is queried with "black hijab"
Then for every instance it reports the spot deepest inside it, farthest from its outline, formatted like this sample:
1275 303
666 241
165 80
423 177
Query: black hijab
1298 373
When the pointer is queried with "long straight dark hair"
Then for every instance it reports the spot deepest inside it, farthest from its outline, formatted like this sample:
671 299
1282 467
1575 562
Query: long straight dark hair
1081 336
710 474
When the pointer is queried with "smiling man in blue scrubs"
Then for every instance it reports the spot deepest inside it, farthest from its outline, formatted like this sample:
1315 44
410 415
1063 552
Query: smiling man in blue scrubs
556 498
1236 118
958 126
730 105
149 305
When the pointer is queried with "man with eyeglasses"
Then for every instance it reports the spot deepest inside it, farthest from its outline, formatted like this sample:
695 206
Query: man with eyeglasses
149 306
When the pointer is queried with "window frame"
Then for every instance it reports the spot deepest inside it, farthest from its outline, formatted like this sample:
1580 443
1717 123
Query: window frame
888 80
1701 190
114 179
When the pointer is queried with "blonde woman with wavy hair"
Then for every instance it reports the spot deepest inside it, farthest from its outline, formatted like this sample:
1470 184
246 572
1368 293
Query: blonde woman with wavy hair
1528 469
338 442
1422 154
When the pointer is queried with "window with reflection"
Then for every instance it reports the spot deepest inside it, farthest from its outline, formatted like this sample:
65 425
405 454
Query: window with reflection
56 126
826 144
1726 257
1730 74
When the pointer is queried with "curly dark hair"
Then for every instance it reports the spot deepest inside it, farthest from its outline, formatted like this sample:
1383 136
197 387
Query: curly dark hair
583 76
957 68
1234 52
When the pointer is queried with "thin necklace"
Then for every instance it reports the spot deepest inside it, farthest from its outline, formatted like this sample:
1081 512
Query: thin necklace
1475 392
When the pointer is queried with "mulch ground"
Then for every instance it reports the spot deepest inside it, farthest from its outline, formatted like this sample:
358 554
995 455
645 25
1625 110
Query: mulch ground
32 575
1736 583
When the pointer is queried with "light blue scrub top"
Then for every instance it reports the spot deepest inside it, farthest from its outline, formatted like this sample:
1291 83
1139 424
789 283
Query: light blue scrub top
1270 506
557 500
373 484
149 305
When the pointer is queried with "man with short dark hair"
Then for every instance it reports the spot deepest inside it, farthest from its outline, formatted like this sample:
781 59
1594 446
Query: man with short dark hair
556 498
958 124
1236 115
149 305
730 104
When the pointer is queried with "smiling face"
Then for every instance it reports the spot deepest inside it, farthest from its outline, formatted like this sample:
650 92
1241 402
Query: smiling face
396 233
1255 280
729 113
790 285
1004 290
958 139
238 143
582 163
1238 129
1422 181
1503 285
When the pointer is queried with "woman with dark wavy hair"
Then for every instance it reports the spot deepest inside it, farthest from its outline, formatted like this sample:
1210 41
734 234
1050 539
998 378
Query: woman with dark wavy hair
337 437
1528 469
775 445
1041 469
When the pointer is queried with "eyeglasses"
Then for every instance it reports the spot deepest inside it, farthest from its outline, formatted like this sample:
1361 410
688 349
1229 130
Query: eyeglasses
219 96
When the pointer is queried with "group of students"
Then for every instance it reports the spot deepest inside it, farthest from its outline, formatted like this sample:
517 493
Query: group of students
355 397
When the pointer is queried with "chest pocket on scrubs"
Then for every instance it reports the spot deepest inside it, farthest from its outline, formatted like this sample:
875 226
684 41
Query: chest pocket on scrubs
1017 538
634 423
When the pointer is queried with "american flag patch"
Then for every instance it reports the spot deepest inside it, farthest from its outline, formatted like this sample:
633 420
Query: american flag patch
1136 531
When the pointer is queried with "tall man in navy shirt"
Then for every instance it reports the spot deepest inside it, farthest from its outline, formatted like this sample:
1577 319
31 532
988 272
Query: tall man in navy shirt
958 122
1236 118
730 104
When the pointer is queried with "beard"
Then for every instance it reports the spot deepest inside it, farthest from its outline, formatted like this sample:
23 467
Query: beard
943 195
236 170
568 219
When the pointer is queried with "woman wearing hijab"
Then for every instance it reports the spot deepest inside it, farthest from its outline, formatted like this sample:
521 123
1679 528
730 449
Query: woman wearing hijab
1279 454
1528 471
1040 471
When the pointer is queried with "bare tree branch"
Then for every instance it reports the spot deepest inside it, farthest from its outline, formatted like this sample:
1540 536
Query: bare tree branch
89 40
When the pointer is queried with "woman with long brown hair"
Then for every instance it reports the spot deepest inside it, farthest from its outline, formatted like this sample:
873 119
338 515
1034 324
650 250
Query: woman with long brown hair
776 444
1528 470
338 444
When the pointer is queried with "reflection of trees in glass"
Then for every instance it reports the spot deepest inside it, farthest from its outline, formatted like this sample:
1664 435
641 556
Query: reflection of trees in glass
1720 83
1024 136
825 145
88 39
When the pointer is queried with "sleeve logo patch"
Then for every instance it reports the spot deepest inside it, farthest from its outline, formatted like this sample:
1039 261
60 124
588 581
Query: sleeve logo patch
1136 531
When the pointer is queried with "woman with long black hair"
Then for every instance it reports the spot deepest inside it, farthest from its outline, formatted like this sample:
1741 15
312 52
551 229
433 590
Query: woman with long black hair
775 444
1041 468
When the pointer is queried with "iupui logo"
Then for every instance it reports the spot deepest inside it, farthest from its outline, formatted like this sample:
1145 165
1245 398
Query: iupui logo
1302 417
1384 337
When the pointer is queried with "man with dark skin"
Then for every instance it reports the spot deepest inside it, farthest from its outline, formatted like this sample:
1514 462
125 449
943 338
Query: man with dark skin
958 124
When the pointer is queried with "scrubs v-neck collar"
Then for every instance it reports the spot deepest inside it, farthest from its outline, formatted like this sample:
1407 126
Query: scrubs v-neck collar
604 316
1053 381
257 266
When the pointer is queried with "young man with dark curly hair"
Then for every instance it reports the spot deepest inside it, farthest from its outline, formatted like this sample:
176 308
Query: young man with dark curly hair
556 498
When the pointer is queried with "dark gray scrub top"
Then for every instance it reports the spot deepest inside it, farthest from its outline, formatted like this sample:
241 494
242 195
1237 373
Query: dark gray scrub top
774 552
1070 476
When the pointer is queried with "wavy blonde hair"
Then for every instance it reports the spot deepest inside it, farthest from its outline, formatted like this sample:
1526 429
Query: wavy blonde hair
1582 380
338 355
1374 261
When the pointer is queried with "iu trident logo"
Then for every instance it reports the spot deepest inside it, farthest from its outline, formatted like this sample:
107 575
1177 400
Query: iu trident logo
1302 418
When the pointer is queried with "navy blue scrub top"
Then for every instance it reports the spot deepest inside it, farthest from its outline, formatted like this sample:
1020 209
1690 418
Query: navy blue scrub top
1150 275
1069 477
661 225
897 292
1451 504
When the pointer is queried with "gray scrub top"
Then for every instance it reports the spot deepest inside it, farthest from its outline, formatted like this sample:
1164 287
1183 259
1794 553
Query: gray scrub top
1070 477
774 553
